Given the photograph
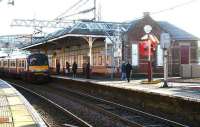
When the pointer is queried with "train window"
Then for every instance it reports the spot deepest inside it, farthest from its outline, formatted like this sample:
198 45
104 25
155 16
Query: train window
0 63
5 63
19 63
33 61
13 63
37 60
23 63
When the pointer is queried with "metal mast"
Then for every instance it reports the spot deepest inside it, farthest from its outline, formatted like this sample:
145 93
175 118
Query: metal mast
95 8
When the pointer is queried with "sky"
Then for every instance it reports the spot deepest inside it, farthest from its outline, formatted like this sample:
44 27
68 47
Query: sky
184 16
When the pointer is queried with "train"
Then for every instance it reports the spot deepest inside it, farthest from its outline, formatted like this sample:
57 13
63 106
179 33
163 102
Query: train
31 67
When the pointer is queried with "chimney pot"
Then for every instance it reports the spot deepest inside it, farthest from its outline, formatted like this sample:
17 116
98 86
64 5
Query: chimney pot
146 14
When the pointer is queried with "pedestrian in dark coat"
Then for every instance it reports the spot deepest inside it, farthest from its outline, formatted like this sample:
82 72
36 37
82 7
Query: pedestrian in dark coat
87 70
123 71
67 67
57 67
128 71
74 69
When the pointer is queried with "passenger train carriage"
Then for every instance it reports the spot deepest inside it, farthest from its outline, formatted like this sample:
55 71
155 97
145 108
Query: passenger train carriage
34 67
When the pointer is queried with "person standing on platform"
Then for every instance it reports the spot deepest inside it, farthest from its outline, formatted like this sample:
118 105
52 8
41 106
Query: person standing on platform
87 70
128 71
57 67
74 69
123 71
67 68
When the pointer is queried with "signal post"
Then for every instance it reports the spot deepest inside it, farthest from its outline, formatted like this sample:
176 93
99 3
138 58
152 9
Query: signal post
165 44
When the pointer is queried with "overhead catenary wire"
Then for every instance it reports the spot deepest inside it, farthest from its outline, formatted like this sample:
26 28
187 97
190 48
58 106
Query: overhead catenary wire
76 13
173 7
80 12
164 10
81 5
74 7
70 8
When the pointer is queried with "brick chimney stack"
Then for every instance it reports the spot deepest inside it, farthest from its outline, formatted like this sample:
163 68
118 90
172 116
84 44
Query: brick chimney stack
146 14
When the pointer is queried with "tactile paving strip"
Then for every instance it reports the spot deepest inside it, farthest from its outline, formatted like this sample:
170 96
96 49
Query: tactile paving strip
3 101
5 113
13 109
6 125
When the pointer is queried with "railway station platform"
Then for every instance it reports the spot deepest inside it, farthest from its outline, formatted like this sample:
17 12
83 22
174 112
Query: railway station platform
187 89
15 110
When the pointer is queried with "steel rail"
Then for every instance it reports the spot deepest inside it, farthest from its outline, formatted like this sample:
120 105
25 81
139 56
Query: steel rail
132 110
79 120
127 108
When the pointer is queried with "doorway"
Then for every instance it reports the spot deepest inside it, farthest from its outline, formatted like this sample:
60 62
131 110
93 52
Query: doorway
185 54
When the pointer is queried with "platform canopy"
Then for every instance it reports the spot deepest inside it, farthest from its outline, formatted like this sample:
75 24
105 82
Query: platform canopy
83 28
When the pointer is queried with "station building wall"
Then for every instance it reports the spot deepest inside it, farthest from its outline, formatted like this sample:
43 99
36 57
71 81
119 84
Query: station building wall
80 55
72 49
181 51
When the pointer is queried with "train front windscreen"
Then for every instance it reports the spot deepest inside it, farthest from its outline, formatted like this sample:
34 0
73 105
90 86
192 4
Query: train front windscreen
38 68
38 60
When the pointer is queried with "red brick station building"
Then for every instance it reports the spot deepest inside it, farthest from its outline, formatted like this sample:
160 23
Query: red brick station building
106 45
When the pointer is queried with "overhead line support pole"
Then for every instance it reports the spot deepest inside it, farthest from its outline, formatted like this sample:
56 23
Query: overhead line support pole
95 10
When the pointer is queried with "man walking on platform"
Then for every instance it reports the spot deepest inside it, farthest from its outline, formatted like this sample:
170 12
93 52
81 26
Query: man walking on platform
88 70
128 71
57 66
67 68
74 69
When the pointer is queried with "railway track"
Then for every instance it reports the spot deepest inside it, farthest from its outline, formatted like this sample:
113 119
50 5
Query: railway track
67 119
126 115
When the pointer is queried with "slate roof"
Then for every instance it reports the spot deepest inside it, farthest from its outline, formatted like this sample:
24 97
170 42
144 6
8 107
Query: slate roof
84 29
175 32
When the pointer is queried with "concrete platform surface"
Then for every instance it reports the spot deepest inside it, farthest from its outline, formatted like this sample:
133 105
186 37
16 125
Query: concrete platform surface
15 110
185 90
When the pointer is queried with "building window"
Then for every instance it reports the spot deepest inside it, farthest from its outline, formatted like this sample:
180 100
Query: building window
135 55
159 56
100 60
97 56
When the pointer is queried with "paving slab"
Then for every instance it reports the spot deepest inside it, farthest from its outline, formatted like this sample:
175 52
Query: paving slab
185 90
15 110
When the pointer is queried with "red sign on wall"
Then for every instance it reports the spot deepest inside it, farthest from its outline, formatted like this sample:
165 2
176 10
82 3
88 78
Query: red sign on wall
144 48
